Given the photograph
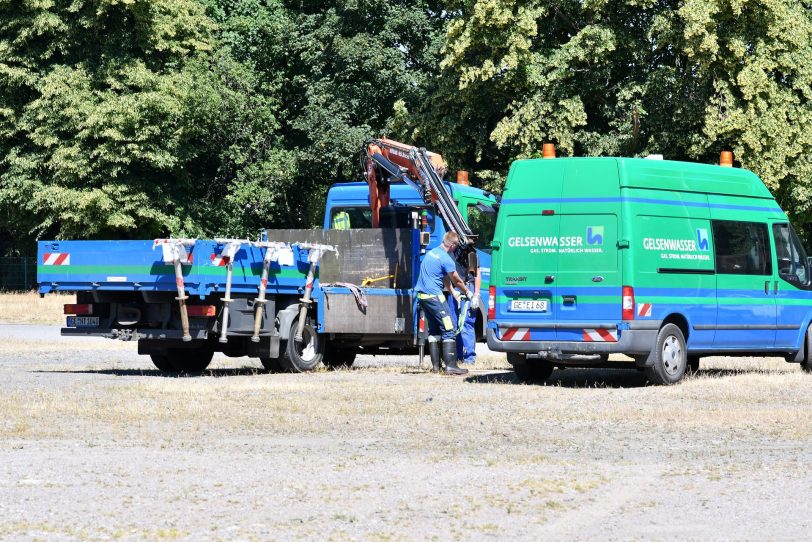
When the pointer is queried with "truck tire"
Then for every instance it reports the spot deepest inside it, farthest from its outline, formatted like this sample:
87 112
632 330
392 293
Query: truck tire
161 362
339 357
531 371
190 361
272 365
305 355
670 356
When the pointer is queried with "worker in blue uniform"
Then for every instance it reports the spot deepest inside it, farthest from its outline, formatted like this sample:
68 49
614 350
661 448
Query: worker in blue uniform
437 265
463 313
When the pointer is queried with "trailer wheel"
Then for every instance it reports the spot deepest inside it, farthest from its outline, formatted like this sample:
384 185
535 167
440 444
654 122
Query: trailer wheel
530 370
669 355
190 361
300 357
272 365
162 363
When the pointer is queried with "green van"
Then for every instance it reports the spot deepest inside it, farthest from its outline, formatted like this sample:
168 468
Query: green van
660 260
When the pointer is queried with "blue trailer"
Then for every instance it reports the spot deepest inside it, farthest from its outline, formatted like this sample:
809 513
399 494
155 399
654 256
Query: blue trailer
339 291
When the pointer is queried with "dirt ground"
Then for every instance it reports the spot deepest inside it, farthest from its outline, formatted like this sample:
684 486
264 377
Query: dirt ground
95 444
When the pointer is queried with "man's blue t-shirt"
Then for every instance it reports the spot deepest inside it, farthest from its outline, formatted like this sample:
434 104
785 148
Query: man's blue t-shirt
436 265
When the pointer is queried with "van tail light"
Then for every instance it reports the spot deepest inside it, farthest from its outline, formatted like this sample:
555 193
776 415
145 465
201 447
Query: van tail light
201 310
628 303
492 303
80 309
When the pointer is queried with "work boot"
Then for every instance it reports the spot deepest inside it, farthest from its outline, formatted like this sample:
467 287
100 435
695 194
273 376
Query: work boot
450 359
434 354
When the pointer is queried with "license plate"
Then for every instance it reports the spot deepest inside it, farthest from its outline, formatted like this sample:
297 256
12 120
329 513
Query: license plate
83 321
529 305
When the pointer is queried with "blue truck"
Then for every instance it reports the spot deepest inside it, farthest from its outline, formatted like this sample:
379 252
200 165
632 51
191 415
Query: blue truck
292 298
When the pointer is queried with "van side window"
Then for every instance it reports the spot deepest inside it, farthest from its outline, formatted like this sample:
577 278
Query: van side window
793 265
742 248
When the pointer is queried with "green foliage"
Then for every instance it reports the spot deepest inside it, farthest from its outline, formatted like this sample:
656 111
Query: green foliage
142 118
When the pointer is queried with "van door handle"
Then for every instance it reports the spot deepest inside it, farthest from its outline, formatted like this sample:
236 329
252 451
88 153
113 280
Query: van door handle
549 278
767 287
776 287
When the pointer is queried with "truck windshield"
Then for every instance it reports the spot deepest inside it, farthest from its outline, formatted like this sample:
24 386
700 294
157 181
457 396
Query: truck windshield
396 216
482 220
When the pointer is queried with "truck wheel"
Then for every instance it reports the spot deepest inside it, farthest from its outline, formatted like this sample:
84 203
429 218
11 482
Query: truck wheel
272 365
339 357
669 355
190 361
300 357
533 370
161 361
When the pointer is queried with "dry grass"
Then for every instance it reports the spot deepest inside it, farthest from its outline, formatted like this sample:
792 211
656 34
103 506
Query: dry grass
28 308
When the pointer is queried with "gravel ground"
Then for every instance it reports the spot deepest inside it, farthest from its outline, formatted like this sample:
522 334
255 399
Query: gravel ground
96 444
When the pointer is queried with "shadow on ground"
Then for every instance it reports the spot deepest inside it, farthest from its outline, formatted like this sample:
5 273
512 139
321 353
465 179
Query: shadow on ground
241 371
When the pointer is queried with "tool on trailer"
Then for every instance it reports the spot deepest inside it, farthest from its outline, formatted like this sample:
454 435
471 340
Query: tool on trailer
275 251
230 249
174 252
369 281
315 254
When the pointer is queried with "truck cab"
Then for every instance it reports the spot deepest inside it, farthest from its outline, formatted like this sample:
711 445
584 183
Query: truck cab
348 208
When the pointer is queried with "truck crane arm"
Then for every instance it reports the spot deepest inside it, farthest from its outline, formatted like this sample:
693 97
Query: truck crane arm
385 161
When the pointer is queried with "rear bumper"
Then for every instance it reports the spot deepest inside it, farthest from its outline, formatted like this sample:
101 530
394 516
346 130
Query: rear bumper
638 338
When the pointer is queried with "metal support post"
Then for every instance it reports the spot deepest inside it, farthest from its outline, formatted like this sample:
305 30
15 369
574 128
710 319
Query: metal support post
316 252
274 251
229 251
174 251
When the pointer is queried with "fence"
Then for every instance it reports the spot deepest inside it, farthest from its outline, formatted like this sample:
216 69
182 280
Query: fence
18 274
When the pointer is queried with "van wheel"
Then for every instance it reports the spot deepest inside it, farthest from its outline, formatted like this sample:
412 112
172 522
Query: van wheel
670 356
530 370
303 356
806 364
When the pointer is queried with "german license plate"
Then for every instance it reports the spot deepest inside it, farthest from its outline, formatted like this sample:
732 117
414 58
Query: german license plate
83 321
529 305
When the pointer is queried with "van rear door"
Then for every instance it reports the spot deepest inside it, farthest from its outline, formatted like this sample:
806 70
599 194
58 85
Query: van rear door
529 263
589 280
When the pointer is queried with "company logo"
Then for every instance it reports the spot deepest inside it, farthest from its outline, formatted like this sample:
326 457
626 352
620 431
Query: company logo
702 239
594 235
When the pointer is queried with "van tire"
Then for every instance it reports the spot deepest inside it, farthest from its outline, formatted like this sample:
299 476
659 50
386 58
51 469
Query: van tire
693 364
304 356
670 356
533 371
806 364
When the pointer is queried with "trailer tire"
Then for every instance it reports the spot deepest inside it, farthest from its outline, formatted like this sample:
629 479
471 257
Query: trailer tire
669 355
306 355
532 371
162 363
190 361
272 365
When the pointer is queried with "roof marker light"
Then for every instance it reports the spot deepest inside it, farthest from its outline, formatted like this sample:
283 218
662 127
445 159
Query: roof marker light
726 159
548 151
